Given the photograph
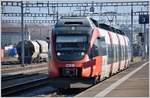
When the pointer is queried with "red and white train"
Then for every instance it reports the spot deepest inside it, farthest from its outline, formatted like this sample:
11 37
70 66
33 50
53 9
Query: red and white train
82 48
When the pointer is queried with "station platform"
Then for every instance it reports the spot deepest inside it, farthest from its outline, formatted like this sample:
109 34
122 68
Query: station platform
132 82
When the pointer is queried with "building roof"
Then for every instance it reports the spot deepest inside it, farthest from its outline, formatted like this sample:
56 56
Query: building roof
27 28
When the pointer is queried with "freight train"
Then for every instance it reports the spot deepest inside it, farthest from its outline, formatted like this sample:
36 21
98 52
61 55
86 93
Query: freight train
83 48
34 51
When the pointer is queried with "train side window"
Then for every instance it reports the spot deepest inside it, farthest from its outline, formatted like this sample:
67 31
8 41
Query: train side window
127 52
122 48
121 53
110 54
114 48
124 52
115 53
102 46
119 49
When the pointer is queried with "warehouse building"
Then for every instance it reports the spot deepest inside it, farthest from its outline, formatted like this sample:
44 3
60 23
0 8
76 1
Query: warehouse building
11 33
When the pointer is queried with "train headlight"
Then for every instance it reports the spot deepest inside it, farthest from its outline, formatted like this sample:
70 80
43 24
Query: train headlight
82 53
58 53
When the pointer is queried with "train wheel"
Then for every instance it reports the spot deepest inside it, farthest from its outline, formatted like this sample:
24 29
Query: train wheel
110 74
96 79
99 78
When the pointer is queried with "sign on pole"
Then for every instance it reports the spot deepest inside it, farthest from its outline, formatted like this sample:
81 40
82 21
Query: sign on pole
143 19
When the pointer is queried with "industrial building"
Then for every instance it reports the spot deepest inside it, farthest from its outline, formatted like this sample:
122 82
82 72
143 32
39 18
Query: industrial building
11 33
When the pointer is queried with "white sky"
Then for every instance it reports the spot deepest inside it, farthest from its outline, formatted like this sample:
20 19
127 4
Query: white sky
95 0
120 9
79 0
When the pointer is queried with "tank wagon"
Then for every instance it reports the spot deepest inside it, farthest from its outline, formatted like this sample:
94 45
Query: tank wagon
83 48
34 51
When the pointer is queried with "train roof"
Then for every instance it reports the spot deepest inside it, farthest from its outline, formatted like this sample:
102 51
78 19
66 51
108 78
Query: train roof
74 21
106 27
85 22
109 28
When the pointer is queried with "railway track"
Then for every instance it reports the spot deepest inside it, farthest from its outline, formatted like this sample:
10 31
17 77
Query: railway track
19 65
37 86
31 71
14 68
10 62
11 77
13 87
23 86
75 91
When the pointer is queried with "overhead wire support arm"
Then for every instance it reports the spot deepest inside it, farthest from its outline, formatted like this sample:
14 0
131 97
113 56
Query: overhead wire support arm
54 16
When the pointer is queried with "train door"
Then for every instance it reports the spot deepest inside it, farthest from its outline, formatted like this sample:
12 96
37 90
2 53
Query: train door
102 46
125 52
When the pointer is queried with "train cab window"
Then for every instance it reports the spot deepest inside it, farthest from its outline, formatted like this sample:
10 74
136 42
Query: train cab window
71 47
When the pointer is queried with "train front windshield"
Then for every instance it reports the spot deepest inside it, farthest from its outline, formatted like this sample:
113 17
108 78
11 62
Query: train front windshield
71 47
